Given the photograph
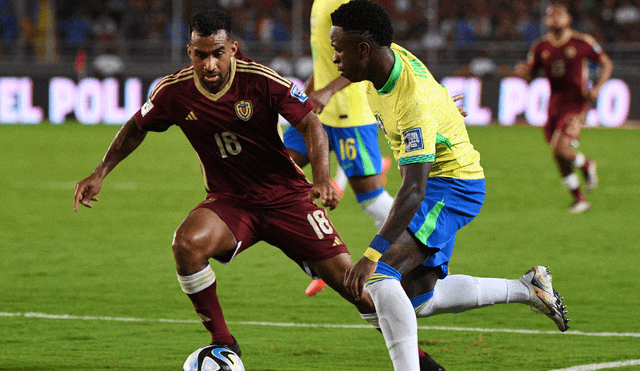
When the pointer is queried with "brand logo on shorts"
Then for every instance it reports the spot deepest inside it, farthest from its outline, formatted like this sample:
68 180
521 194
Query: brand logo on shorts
244 109
413 139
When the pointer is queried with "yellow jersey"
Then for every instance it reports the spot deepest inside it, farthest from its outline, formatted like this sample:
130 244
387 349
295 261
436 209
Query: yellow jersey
347 107
421 122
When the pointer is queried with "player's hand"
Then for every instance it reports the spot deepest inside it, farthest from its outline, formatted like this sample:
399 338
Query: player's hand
320 98
522 69
327 195
461 109
86 191
357 276
590 95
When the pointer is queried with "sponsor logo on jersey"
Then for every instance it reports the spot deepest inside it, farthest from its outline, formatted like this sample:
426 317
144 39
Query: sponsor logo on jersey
545 54
146 108
297 93
244 109
191 116
413 139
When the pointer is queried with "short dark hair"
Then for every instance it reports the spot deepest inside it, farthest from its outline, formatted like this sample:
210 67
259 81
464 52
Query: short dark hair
209 22
365 16
562 3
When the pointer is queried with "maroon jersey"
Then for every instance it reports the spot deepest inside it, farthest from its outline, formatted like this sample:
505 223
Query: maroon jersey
235 132
565 64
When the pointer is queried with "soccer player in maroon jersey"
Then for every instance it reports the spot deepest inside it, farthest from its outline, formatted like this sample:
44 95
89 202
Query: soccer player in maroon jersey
562 54
227 106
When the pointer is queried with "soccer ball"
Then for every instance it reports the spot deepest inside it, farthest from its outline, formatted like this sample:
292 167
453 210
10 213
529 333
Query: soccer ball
213 358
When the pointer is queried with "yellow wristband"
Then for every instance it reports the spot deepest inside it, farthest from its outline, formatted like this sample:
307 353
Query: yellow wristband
372 254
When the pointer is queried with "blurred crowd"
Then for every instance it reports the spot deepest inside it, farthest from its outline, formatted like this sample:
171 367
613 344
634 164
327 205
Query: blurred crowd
122 30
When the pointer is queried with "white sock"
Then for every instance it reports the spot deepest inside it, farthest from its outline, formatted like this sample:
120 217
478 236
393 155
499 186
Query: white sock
571 181
458 293
580 160
378 208
341 178
198 281
372 318
397 322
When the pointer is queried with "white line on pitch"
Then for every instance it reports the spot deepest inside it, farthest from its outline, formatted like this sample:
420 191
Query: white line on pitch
601 366
280 324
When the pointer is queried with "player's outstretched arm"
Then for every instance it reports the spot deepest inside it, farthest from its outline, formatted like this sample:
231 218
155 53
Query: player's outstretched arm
318 150
125 142
405 205
322 96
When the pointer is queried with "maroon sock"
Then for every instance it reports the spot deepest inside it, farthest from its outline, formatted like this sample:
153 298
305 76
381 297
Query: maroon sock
578 195
208 308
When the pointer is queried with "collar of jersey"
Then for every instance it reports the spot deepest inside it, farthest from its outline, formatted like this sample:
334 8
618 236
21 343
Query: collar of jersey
393 77
216 96
562 41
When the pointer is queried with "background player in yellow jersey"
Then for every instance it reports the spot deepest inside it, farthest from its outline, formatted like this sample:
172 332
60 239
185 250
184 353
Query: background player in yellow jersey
405 268
351 127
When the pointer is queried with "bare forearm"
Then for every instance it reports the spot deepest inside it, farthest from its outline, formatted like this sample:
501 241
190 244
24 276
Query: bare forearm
337 84
318 151
407 201
317 143
405 206
308 85
606 70
126 141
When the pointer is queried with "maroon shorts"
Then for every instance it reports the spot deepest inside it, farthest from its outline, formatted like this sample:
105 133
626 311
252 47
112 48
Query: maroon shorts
569 122
302 231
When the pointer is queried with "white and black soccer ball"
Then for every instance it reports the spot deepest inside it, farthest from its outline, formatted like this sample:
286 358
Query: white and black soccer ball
213 358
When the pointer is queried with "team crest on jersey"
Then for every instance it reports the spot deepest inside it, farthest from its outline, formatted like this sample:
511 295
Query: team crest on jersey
297 93
244 109
146 108
545 54
413 139
570 52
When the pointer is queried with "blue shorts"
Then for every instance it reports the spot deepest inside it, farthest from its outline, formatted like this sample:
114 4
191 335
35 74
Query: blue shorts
356 148
449 204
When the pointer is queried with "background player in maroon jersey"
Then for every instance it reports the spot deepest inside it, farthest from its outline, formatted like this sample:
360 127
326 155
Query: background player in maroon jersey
228 106
562 54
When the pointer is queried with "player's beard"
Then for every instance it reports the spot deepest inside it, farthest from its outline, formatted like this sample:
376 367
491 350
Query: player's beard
216 85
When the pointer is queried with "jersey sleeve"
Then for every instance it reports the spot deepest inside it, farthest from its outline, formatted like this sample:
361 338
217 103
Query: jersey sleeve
418 131
153 115
292 103
594 50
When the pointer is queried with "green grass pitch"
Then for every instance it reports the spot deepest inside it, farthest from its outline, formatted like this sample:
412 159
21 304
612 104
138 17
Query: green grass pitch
97 289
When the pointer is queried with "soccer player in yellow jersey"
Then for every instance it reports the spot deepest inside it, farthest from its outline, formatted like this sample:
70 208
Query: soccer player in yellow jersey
405 268
351 127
